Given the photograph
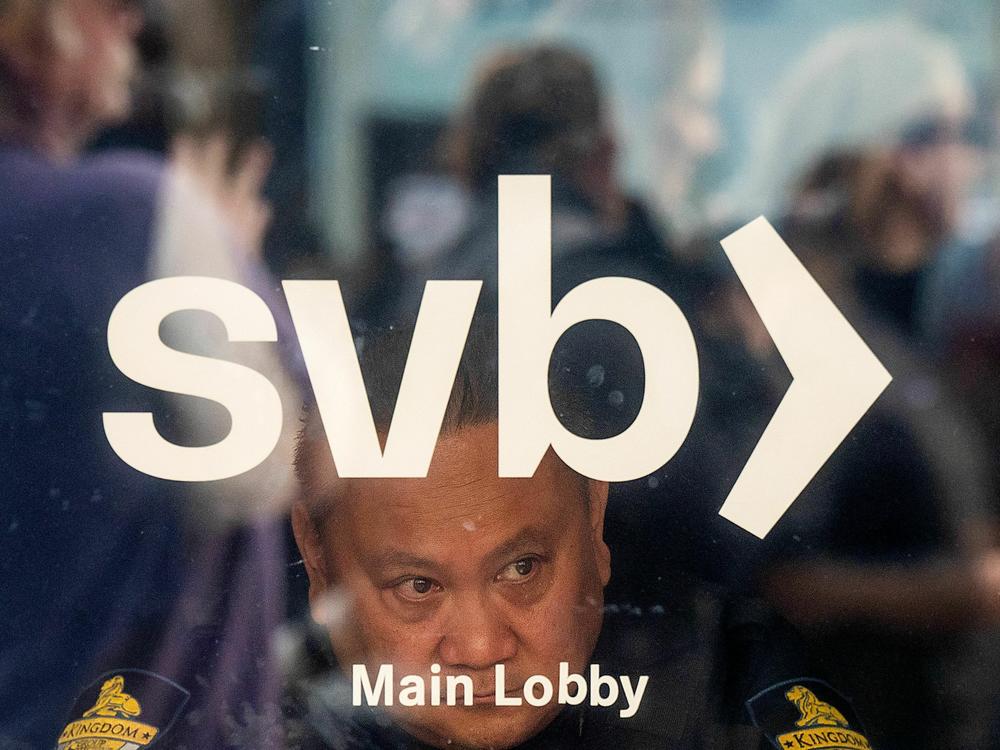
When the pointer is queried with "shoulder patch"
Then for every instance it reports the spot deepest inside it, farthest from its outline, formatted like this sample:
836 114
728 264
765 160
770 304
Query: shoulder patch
123 710
807 713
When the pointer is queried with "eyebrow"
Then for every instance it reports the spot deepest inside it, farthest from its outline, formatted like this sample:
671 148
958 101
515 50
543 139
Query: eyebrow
527 536
390 557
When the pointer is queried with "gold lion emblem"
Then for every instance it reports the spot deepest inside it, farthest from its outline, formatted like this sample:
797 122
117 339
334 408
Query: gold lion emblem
815 713
113 702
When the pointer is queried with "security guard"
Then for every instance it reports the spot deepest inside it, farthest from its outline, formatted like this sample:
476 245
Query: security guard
461 571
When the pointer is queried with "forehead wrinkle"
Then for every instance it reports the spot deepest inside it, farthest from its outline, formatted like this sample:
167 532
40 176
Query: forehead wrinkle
391 557
479 496
462 508
462 483
449 508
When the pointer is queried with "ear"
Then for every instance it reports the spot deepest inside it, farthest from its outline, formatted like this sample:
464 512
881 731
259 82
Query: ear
311 548
598 507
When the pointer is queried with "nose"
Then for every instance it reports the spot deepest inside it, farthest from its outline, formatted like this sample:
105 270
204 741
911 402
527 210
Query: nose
479 636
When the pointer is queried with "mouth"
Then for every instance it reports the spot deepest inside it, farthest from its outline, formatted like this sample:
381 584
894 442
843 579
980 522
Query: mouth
481 698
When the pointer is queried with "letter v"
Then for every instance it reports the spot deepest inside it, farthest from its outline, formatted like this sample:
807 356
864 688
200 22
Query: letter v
324 333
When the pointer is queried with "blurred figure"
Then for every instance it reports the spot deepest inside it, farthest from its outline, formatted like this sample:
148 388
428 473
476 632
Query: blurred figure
962 309
68 67
861 86
664 66
540 110
105 568
961 299
887 559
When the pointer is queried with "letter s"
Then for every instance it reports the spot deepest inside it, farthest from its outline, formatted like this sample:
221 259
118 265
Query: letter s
136 349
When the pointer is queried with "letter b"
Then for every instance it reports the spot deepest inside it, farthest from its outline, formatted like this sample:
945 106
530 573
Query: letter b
599 681
579 686
529 330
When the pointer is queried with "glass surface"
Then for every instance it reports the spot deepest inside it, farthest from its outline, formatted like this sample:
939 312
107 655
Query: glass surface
673 475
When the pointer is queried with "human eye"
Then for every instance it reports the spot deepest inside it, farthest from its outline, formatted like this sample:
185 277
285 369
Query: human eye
521 570
416 588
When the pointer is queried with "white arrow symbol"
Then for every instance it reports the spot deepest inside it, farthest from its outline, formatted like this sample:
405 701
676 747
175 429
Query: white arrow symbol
836 377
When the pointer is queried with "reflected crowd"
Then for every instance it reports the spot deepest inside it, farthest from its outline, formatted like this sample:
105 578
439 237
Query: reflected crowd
143 139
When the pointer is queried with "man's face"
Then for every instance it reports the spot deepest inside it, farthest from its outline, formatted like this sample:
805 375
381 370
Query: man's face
95 42
466 570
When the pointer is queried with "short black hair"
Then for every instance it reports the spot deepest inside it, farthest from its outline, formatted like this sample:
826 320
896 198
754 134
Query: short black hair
382 355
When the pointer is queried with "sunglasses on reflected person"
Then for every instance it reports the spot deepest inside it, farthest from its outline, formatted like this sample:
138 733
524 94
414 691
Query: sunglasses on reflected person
937 131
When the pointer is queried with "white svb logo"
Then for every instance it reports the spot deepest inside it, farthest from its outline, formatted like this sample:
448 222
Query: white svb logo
836 378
